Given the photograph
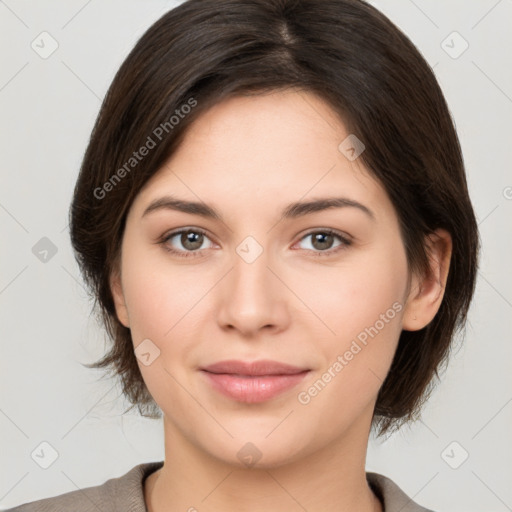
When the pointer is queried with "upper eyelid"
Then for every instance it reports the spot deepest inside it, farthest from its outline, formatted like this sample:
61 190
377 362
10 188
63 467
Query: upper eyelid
171 234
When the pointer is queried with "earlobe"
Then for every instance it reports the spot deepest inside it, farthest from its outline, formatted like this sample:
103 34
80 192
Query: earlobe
427 292
118 296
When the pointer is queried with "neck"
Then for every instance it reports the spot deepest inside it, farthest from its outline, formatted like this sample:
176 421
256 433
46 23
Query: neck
328 480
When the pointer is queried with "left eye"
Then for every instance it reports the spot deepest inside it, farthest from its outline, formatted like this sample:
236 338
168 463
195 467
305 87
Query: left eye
322 241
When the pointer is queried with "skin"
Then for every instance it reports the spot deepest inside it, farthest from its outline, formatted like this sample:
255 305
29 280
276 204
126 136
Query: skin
249 157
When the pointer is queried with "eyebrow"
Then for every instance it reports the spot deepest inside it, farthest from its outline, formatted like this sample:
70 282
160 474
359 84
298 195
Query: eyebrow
293 210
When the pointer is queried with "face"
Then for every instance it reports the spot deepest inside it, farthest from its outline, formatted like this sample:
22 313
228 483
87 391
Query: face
322 289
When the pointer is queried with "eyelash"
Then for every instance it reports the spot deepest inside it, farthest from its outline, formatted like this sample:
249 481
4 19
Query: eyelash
345 242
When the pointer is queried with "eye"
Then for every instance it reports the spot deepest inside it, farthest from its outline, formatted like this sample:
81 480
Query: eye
322 242
191 240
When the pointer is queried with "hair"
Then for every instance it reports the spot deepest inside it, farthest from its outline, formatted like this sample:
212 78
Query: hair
370 74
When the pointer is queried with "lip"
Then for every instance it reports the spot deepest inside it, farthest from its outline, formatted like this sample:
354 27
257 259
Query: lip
253 382
262 367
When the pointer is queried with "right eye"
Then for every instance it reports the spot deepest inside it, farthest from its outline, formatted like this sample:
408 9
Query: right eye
191 239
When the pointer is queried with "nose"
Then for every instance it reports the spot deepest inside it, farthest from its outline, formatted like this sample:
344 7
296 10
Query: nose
253 297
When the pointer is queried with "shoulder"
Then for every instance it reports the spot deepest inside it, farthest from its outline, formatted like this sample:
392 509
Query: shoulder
123 493
393 498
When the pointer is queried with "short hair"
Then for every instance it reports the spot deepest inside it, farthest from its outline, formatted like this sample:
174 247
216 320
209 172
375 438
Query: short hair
371 75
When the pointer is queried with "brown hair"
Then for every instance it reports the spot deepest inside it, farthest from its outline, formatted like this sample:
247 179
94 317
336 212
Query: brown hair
365 68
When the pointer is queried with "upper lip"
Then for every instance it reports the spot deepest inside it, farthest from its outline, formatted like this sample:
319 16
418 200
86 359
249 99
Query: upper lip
261 367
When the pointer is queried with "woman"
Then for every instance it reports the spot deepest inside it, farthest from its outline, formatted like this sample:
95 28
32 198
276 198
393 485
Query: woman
273 216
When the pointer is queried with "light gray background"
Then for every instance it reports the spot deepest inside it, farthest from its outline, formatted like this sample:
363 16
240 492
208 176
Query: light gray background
48 107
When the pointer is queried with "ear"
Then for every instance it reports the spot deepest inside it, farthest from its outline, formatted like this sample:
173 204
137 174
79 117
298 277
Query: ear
118 296
427 292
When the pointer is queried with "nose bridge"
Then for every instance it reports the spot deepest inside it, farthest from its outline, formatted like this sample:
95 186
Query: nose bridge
251 297
251 277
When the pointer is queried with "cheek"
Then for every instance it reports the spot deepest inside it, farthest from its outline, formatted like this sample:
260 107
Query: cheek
163 307
362 305
158 294
356 359
353 296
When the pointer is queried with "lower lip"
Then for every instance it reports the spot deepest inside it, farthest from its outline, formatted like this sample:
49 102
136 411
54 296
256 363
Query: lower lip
253 389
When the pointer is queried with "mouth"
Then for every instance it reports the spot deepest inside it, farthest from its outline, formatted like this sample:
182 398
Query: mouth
253 382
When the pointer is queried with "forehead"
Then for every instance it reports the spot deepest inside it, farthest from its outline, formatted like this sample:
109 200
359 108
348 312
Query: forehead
266 150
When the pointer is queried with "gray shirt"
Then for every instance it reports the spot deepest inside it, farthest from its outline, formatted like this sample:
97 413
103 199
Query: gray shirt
126 494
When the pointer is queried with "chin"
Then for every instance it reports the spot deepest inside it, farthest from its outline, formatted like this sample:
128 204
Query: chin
255 451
